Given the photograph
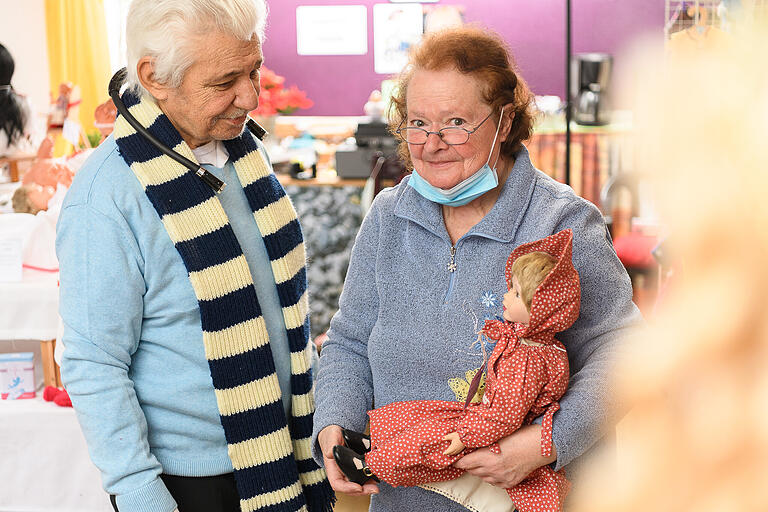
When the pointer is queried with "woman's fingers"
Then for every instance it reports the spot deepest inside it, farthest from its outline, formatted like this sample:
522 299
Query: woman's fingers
329 437
337 479
498 470
477 461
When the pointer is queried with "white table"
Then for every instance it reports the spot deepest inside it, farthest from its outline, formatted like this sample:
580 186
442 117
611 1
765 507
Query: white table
45 464
29 311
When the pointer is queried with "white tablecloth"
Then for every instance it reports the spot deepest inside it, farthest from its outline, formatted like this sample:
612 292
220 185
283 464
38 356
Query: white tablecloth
29 309
44 464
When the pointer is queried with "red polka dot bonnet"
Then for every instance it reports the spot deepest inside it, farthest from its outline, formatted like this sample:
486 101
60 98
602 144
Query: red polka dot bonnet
555 304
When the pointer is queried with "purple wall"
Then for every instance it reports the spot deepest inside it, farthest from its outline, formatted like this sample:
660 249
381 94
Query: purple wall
535 31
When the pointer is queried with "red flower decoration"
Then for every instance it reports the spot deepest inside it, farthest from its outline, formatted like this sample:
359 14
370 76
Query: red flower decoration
275 98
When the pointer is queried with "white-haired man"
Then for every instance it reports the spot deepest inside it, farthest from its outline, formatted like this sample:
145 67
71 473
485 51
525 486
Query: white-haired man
185 309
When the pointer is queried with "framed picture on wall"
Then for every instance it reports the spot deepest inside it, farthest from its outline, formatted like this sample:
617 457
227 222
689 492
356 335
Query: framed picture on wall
395 29
332 30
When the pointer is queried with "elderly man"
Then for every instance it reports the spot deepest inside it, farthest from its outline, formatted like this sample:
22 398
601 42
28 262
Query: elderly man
185 309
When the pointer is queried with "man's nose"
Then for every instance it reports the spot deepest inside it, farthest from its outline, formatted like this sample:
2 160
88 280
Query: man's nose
247 95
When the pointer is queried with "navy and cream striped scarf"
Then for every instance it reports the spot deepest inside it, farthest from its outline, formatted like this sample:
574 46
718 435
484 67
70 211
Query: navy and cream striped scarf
272 460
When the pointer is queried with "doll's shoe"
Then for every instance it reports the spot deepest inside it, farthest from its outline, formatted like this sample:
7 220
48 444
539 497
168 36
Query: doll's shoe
352 464
356 441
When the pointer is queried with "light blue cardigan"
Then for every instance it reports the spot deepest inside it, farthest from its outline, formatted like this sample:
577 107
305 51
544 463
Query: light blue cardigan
134 362
406 325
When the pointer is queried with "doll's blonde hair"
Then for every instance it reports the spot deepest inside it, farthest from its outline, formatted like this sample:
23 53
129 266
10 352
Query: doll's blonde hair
530 270
21 202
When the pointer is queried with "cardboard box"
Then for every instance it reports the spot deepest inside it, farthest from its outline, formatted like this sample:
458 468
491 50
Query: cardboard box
17 375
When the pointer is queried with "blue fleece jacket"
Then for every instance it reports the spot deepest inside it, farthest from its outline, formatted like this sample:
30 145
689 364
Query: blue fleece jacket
134 363
406 326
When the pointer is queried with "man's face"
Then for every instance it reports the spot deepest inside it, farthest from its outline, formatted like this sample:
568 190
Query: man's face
217 91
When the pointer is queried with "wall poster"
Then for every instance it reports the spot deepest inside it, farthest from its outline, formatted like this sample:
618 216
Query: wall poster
332 30
396 27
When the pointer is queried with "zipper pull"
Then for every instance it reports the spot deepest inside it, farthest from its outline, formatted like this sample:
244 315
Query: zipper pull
452 264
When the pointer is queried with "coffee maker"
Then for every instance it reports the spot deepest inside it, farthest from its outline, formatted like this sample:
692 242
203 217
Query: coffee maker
590 78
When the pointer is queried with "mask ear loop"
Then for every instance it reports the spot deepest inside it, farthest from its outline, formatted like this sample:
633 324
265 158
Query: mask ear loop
494 141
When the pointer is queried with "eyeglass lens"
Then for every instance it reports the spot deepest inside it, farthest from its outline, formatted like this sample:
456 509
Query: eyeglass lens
450 135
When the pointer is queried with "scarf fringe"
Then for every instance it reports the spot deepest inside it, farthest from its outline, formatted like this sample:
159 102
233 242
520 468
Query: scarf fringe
320 497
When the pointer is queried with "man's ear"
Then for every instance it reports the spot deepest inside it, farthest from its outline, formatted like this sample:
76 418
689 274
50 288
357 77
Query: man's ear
145 69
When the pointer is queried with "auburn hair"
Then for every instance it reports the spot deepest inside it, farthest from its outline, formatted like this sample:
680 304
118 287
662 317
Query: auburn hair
479 53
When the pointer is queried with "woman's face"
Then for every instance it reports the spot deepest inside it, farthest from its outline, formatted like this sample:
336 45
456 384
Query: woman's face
438 99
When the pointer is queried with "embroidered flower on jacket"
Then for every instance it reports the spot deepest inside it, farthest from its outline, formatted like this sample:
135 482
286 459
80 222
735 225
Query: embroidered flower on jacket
489 299
460 386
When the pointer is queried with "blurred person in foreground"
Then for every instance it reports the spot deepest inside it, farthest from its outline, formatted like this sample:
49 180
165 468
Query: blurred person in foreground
185 311
696 438
428 256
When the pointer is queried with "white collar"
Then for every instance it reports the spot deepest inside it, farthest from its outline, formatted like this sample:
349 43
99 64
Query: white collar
213 153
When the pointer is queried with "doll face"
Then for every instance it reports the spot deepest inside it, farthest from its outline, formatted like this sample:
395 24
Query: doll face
39 195
514 307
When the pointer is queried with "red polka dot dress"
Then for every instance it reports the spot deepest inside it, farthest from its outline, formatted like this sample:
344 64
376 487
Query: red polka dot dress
527 373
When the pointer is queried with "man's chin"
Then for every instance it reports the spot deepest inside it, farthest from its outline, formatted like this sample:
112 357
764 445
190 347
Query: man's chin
225 130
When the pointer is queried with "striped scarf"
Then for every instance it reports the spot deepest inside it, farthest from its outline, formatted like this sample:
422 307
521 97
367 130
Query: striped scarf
273 466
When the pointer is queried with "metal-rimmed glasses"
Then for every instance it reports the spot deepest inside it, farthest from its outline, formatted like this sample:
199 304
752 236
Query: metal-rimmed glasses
451 135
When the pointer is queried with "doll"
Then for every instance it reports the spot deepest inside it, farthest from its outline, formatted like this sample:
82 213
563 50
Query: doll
60 107
41 182
105 115
417 442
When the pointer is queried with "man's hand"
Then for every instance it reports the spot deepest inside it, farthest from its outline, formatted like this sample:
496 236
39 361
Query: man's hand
520 455
456 445
329 437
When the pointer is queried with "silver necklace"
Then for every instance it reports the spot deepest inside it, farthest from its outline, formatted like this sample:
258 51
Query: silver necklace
452 264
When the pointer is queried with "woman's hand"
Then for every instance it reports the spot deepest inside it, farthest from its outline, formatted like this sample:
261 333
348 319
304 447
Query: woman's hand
520 455
329 437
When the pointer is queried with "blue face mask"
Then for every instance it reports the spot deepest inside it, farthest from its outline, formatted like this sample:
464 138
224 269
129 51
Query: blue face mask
479 183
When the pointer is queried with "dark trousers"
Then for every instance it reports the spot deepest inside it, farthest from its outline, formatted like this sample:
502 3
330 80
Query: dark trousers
201 494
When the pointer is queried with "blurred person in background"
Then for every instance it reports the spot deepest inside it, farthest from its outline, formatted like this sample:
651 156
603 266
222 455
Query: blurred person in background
696 438
16 118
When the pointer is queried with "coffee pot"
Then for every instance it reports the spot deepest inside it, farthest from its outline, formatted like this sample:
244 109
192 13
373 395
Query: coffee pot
591 73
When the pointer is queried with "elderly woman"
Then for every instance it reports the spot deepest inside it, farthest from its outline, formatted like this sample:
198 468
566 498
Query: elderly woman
185 307
425 266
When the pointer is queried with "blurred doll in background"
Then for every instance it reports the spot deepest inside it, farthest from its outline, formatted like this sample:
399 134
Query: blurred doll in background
104 118
45 179
45 184
696 438
60 108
